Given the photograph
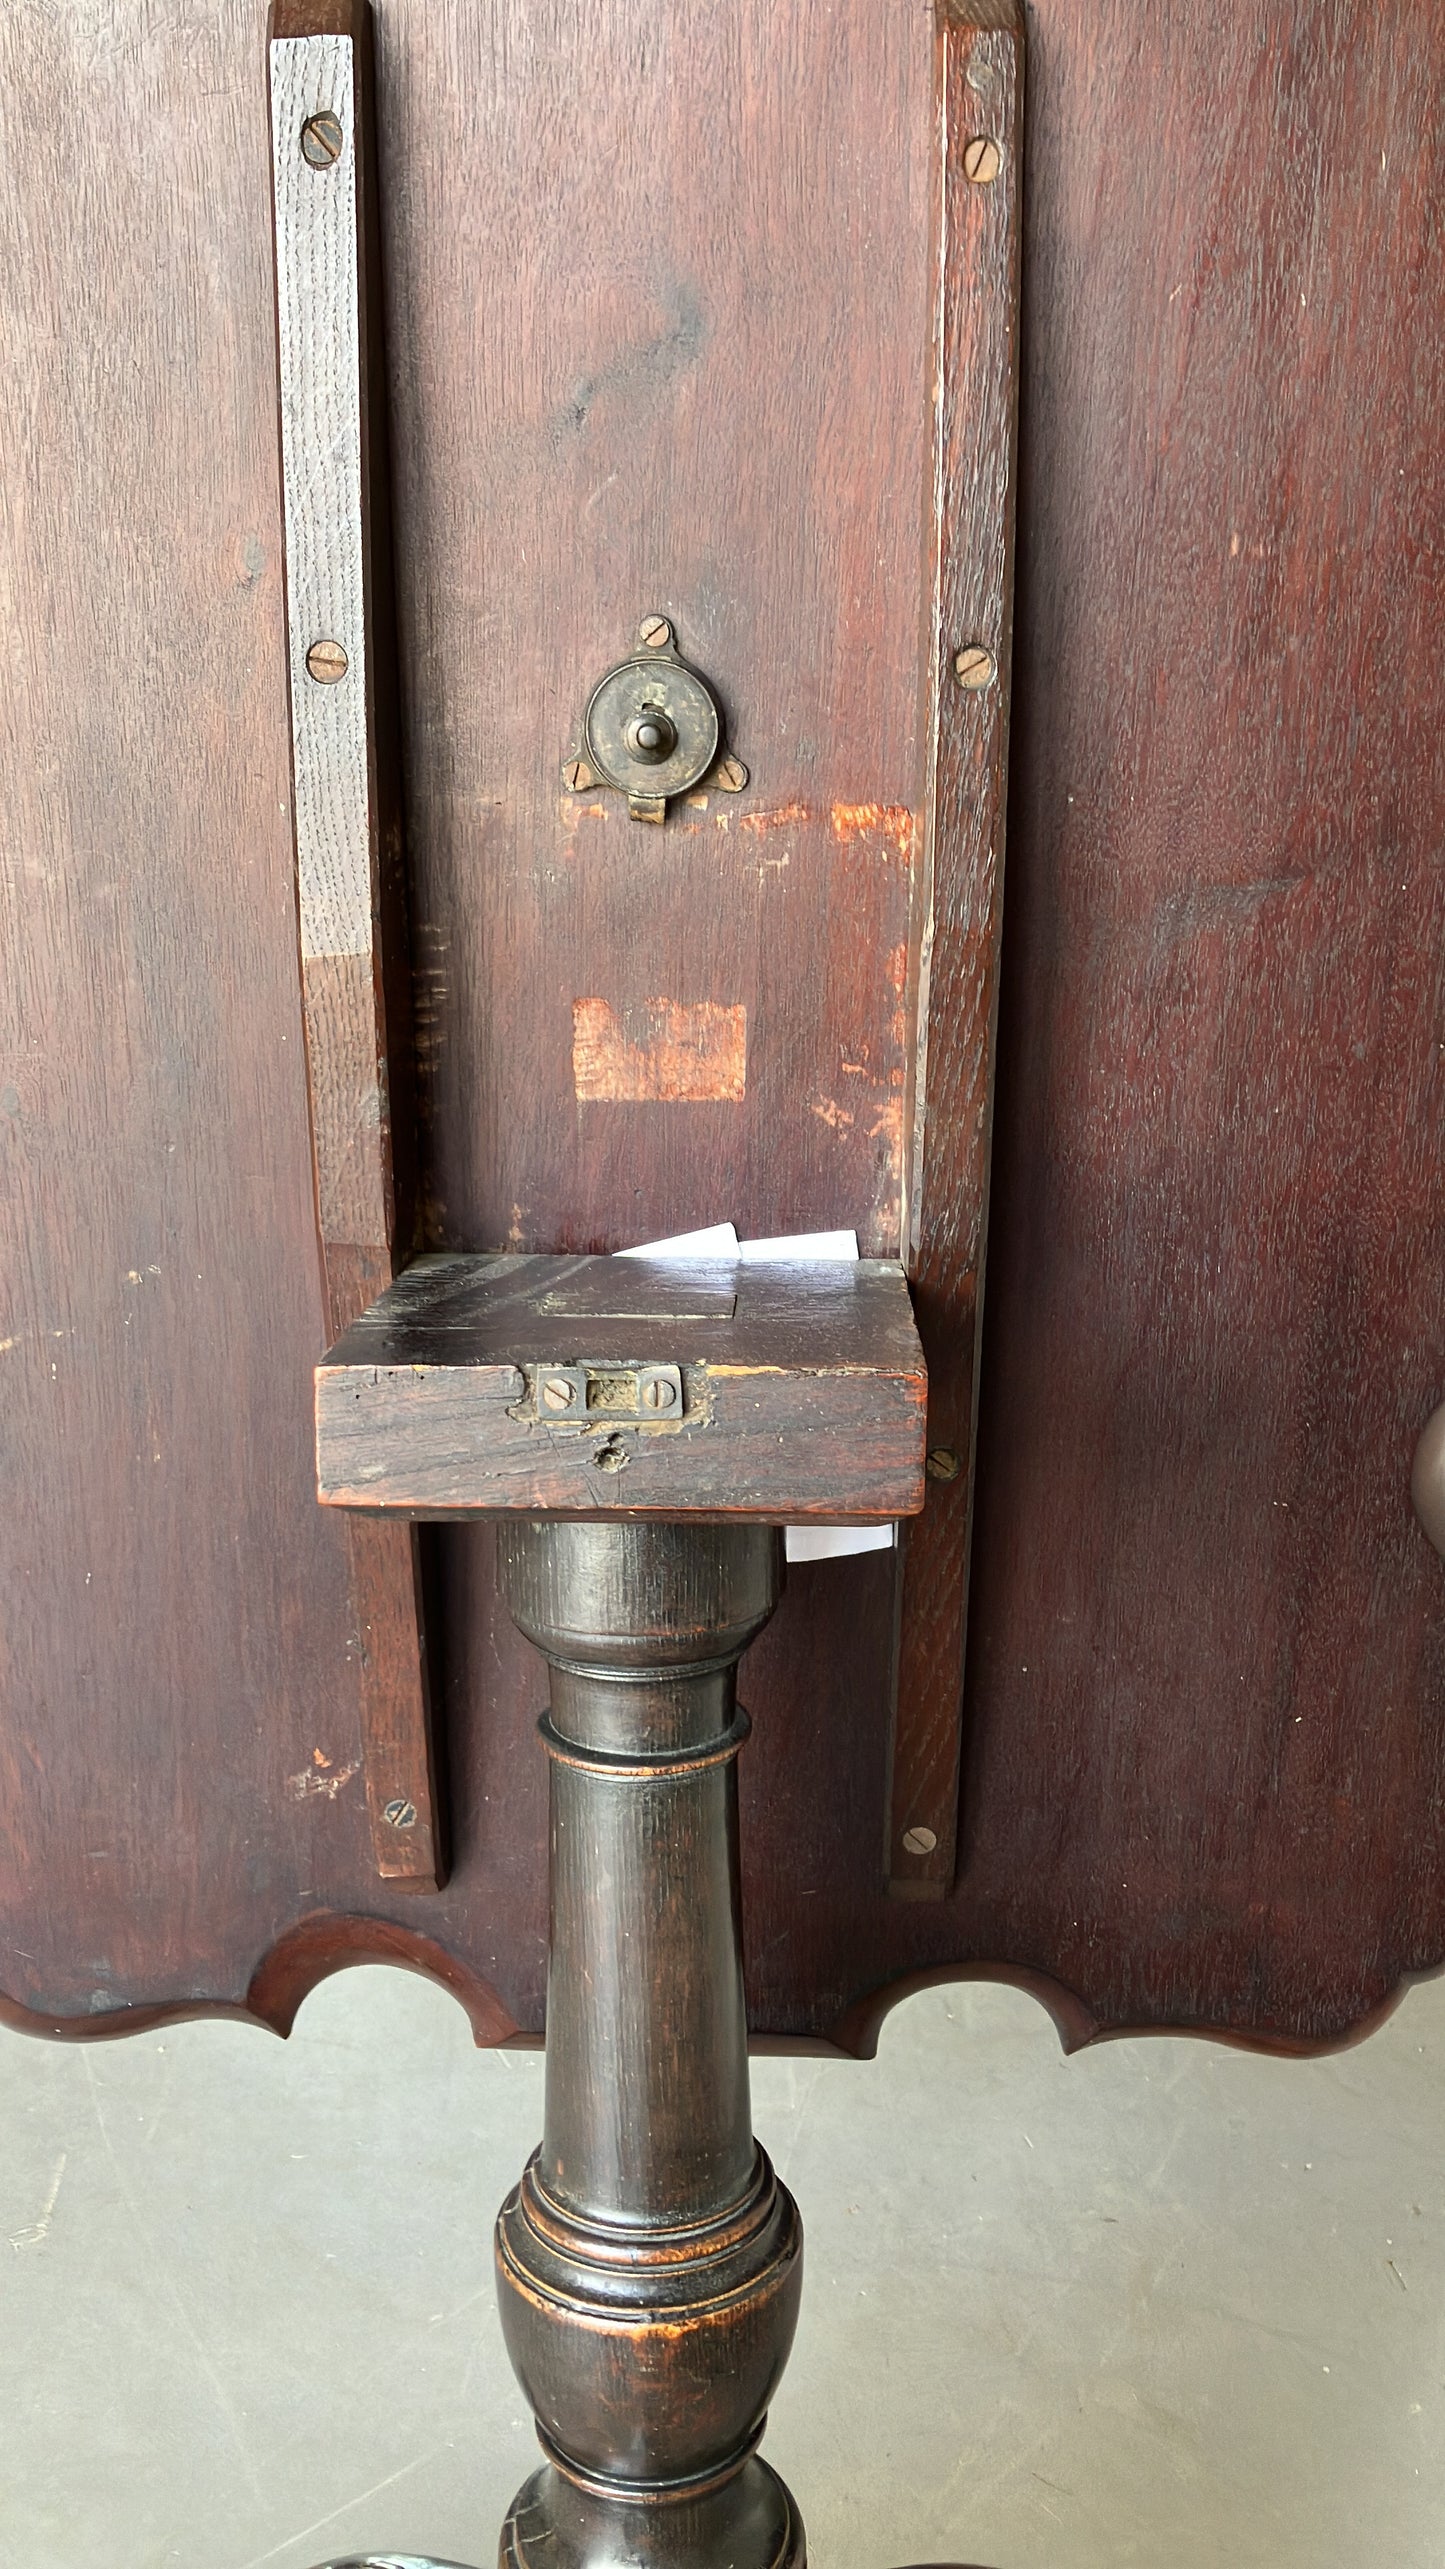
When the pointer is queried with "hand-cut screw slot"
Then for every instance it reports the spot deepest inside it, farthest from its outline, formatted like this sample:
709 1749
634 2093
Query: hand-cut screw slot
658 1394
326 662
557 1392
942 1464
919 1841
577 776
974 666
981 160
730 774
655 631
321 139
400 1814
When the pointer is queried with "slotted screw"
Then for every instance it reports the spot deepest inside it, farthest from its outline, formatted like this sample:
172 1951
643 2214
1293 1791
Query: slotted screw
981 160
919 1841
321 139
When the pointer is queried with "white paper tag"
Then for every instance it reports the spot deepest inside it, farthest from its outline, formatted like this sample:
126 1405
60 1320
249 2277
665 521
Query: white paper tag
720 1241
831 1542
801 1248
790 1248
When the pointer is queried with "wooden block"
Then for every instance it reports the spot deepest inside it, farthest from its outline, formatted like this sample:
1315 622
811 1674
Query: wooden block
501 1384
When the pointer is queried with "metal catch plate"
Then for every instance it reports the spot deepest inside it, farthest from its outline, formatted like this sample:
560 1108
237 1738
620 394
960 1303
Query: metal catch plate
607 1395
653 728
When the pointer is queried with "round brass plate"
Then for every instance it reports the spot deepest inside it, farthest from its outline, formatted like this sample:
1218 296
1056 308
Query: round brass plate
623 700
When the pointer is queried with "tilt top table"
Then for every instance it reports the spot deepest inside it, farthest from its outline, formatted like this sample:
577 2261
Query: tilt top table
547 550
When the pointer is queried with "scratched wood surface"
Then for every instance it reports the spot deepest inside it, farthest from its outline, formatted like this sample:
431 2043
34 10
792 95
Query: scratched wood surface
660 339
350 883
796 1391
662 348
960 893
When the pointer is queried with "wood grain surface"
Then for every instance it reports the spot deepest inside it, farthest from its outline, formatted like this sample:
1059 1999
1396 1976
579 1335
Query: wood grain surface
350 891
655 340
177 1648
958 908
798 1391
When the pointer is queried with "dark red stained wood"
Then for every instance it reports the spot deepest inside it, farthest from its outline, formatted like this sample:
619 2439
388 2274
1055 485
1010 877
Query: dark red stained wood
1206 1654
668 336
176 1626
980 77
1203 1781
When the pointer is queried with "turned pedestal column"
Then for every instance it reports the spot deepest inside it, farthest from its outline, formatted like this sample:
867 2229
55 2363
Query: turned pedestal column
649 2262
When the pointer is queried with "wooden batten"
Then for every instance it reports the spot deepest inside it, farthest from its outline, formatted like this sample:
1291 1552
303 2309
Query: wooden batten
346 804
958 915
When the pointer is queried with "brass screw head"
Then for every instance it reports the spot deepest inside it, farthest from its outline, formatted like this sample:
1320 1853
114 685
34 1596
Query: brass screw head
557 1392
974 667
326 662
981 159
400 1814
919 1841
655 631
321 139
658 1394
730 774
942 1464
577 776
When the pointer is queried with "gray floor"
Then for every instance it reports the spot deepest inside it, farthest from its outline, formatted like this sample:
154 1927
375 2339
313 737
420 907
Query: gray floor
1164 2304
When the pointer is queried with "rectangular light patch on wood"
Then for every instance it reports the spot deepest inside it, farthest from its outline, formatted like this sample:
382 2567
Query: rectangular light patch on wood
659 1051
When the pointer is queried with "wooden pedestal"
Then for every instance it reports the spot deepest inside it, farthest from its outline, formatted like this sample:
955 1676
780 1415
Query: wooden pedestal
717 315
650 2263
640 1430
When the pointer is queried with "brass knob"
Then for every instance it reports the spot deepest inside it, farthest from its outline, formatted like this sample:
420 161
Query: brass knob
651 734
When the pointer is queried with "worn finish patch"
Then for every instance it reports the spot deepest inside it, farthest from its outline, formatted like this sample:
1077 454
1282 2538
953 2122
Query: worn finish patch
890 827
660 1051
346 1099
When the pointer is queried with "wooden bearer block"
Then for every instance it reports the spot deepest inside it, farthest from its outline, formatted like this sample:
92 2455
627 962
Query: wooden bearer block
615 1387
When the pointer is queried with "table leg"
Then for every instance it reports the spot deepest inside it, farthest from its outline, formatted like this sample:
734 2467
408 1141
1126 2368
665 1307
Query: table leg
649 2262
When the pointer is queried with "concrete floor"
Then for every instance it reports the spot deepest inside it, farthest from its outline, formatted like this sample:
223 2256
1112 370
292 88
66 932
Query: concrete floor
1164 2303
